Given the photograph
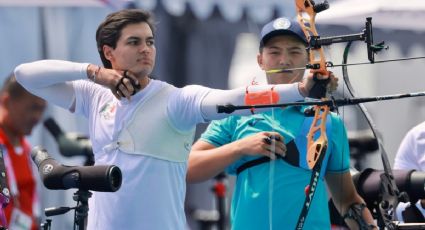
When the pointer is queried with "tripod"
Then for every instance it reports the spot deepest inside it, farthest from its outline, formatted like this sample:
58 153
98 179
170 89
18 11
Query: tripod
209 219
219 190
81 211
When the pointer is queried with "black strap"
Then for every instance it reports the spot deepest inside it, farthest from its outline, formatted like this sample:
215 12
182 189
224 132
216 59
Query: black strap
4 190
319 88
253 163
292 157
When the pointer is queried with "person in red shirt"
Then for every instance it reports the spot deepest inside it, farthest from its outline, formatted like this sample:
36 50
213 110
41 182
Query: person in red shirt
20 111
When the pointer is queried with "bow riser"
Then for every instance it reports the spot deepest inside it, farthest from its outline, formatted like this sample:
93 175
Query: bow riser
318 146
318 61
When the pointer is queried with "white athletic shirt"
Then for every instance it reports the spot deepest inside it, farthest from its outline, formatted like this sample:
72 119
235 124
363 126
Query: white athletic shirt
411 155
153 190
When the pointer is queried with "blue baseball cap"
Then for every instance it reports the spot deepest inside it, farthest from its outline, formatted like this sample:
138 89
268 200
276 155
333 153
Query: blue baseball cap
281 26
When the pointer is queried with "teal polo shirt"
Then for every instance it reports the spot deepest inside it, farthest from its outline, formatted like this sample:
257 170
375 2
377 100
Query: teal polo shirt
251 206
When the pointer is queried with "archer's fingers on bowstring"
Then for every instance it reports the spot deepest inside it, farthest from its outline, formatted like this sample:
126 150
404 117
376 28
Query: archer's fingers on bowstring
122 90
277 147
274 143
268 151
273 152
113 79
117 93
134 84
127 85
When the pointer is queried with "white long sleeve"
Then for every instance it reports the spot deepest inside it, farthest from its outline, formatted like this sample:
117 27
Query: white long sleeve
51 79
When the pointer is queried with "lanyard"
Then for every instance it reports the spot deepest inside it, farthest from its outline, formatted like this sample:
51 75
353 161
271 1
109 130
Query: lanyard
9 149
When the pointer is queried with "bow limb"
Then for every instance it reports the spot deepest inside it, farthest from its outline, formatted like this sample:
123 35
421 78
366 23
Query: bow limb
389 188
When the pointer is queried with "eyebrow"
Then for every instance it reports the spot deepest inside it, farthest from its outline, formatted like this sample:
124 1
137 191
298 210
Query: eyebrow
290 48
133 38
296 48
138 38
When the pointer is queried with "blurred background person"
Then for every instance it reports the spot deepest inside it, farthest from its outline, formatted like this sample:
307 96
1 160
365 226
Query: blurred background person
20 111
411 155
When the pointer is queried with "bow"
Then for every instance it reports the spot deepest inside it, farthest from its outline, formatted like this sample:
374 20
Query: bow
390 194
317 141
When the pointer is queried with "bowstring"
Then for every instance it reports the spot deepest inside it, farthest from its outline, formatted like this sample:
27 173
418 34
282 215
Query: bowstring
272 168
272 165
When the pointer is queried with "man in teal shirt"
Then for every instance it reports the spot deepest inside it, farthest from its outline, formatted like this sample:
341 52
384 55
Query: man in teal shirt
269 194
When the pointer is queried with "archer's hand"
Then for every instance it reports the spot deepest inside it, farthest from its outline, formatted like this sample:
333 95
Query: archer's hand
121 83
333 83
318 84
263 143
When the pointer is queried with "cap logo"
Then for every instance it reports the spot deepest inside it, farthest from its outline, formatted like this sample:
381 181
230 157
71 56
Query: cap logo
281 23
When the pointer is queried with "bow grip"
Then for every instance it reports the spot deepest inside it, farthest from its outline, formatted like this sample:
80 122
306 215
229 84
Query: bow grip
319 88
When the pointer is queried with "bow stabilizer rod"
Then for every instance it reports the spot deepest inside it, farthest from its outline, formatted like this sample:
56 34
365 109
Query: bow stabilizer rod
229 108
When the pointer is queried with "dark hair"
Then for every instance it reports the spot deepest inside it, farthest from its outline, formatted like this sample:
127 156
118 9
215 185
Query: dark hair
109 31
12 87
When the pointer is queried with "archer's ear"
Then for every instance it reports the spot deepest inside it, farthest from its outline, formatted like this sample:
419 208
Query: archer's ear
108 52
260 60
